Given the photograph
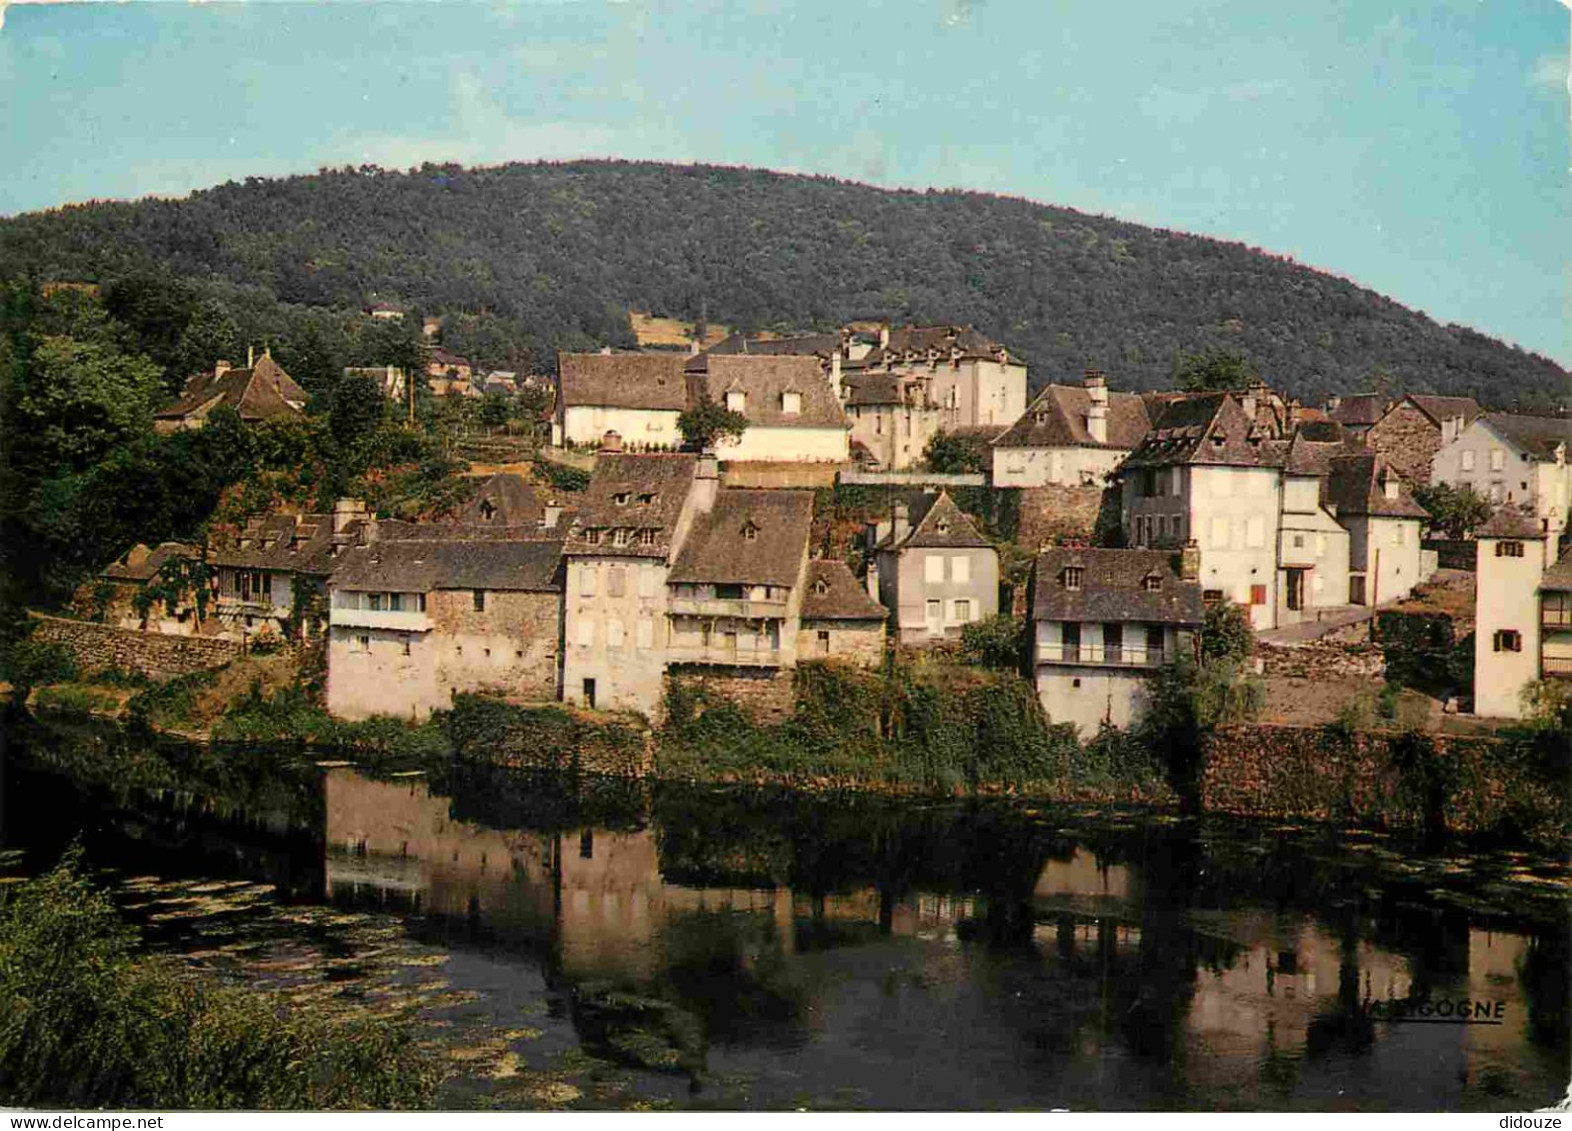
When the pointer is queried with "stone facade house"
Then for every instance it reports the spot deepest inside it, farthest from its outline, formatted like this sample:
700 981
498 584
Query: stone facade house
128 579
971 380
633 520
637 395
1072 436
1385 559
935 570
1103 621
1357 413
735 590
890 417
840 619
1413 429
1313 545
1517 459
507 499
793 413
261 391
421 613
1512 553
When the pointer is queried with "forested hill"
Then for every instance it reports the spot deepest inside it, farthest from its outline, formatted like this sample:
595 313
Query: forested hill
530 258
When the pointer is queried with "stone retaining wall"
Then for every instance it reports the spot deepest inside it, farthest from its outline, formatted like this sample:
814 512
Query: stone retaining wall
1320 659
95 647
767 697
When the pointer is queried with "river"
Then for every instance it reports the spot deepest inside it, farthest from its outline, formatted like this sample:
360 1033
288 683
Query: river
606 944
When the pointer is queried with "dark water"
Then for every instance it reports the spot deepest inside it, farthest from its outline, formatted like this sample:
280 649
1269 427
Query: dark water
742 948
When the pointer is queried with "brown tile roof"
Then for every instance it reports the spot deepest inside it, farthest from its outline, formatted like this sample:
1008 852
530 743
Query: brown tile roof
1359 409
720 549
440 356
632 492
1539 436
1057 419
866 389
1510 521
937 523
262 392
623 380
809 345
507 499
1113 588
1354 484
834 594
1439 409
141 564
915 343
1558 577
288 543
763 380
1205 428
454 561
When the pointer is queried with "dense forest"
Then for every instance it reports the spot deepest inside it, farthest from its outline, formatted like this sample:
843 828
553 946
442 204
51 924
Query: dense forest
523 260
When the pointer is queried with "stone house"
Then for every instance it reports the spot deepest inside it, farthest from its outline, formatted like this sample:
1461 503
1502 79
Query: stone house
633 520
934 570
389 378
1413 429
793 413
890 417
1517 459
1072 436
508 499
128 578
840 619
421 613
1385 559
447 364
735 589
261 391
970 379
637 395
1102 622
1512 553
1357 413
1313 543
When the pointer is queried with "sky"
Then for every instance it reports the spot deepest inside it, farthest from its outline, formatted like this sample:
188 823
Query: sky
1419 147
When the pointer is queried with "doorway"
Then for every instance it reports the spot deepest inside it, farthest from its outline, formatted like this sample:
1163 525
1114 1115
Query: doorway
1296 590
589 694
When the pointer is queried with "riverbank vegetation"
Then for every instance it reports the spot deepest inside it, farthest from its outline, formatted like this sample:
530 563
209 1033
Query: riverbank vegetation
89 1019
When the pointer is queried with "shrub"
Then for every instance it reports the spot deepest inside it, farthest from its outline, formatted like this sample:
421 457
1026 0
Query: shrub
1226 633
998 642
29 663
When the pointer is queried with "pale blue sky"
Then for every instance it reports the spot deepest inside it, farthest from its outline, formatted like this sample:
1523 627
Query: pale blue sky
1419 147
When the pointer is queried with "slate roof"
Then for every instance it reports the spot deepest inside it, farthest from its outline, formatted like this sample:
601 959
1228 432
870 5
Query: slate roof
454 561
1354 484
1206 428
1113 588
834 594
1558 577
808 345
262 392
440 356
507 499
914 342
141 564
764 379
1359 409
1510 522
623 380
880 388
289 543
937 523
1536 435
1439 409
720 551
1057 419
667 476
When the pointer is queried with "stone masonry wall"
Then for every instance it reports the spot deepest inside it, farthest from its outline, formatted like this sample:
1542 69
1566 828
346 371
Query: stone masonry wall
759 473
1408 440
1053 514
766 697
97 646
1320 660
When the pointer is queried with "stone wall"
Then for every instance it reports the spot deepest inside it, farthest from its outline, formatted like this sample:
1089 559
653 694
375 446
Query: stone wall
764 695
1409 441
1454 553
97 646
780 476
1324 659
1054 514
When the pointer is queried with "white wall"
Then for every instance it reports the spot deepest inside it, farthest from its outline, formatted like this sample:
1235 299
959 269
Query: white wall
383 680
1505 597
638 427
1086 694
787 445
626 674
1544 486
1038 467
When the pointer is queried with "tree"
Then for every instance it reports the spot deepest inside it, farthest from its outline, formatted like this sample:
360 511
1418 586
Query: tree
952 454
1213 370
494 410
82 398
180 580
1226 634
358 406
708 422
998 642
1455 511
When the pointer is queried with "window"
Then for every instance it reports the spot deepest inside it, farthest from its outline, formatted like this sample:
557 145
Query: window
1152 583
646 537
619 537
616 581
737 401
646 498
587 580
1299 541
479 597
1556 609
750 531
1509 549
1219 532
1508 640
1497 459
363 643
1258 594
961 611
933 568
374 602
404 642
395 602
646 581
1468 461
614 633
1113 642
791 403
621 498
1211 596
586 632
1071 634
960 568
1154 641
646 633
1073 576
592 536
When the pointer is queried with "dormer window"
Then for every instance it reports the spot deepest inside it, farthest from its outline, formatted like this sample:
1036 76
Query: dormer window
646 498
943 526
1218 440
621 498
1152 583
791 403
619 537
647 537
821 587
1389 486
1072 577
737 401
750 531
488 510
592 536
1509 549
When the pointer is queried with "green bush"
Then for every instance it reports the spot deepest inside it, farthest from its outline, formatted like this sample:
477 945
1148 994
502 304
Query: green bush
563 477
31 663
86 1022
998 642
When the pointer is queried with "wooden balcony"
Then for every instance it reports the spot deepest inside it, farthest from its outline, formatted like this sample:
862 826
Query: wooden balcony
739 607
1100 655
724 657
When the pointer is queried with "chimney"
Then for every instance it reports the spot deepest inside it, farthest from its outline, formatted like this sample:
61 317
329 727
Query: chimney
693 347
1097 410
884 336
221 367
346 511
605 351
706 481
1247 401
611 441
835 374
552 515
903 524
873 579
1332 402
251 356
1451 428
1190 561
